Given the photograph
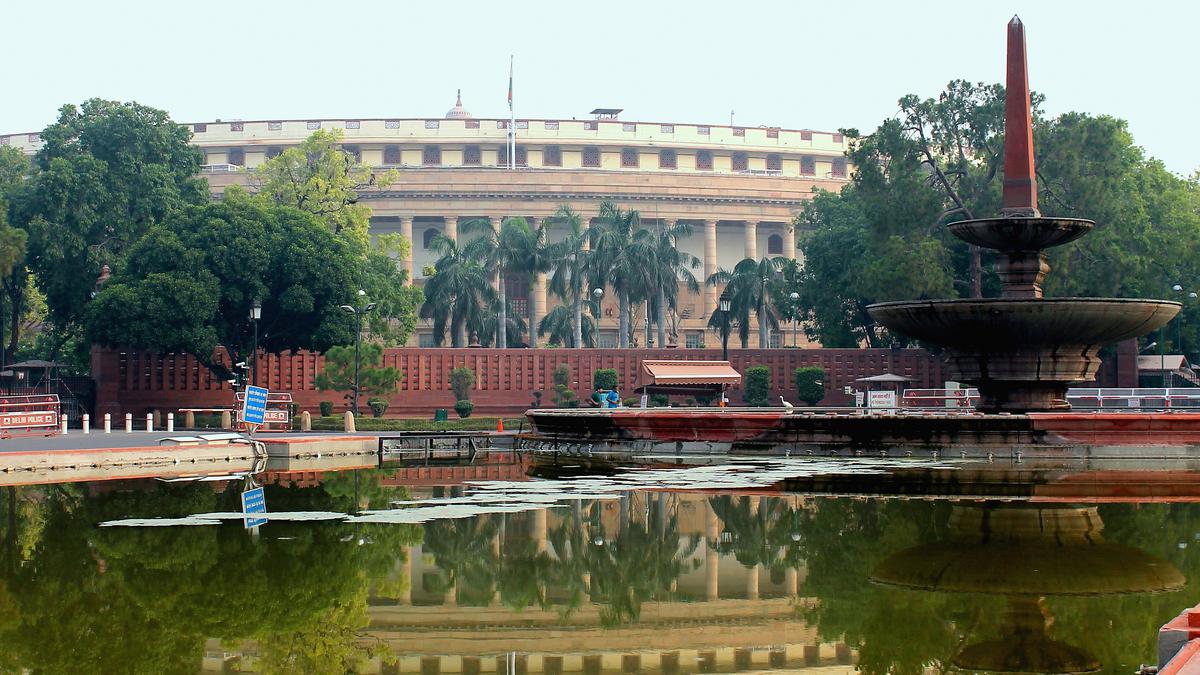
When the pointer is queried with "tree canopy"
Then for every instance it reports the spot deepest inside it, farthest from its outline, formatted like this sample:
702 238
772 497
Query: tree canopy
883 237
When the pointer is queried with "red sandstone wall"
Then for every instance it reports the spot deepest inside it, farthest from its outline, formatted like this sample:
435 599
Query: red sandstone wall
130 381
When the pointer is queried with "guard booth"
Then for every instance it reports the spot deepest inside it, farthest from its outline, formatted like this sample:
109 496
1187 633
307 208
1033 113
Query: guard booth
708 379
278 416
31 415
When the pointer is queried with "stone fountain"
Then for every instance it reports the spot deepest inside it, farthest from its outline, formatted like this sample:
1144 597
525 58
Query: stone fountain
1022 350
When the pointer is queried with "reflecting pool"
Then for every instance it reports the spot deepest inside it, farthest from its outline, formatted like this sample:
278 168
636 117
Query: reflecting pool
708 569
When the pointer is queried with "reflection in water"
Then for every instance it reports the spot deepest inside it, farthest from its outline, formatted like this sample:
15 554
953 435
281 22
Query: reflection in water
653 581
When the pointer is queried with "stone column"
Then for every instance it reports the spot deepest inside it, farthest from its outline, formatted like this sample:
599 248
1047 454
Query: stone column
750 228
791 580
789 241
712 561
407 570
710 266
406 231
451 228
537 297
539 526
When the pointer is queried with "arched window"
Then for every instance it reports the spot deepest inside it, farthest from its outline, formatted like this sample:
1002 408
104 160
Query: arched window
775 245
427 238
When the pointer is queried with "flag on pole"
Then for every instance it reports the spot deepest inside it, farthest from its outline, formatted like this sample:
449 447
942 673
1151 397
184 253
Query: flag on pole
510 75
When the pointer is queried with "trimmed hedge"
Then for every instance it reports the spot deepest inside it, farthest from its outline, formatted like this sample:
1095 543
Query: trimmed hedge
364 423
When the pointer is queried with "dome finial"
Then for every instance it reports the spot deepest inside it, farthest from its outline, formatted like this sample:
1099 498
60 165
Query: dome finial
458 112
459 102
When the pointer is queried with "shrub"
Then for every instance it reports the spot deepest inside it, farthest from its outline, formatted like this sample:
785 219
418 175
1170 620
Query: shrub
758 384
604 378
564 396
378 406
464 408
810 384
537 399
659 401
461 381
326 408
631 401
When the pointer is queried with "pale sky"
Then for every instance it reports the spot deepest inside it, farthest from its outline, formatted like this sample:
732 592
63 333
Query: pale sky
799 64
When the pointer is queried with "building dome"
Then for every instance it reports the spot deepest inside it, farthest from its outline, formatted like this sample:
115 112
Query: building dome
458 112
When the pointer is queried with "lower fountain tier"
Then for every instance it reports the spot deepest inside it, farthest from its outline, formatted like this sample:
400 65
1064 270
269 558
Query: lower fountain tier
1023 353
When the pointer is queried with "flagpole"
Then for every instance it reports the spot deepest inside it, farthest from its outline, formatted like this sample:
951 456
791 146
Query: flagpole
512 120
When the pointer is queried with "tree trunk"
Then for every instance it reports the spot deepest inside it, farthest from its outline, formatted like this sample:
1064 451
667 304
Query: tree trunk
502 314
764 330
623 320
17 307
577 322
661 318
648 331
531 302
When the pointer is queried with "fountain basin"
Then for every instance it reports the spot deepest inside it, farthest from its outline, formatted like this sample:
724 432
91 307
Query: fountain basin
1023 353
1020 234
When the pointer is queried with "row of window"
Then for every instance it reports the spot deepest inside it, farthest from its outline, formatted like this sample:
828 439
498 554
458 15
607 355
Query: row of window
431 155
588 125
774 246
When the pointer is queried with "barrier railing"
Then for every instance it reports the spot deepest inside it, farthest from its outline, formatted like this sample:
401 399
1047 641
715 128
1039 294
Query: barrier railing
34 415
940 398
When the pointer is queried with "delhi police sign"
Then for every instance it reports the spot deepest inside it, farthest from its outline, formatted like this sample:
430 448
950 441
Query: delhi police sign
254 407
254 501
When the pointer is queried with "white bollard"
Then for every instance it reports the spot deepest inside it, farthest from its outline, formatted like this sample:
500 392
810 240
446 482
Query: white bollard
108 423
63 422
149 421
129 423
87 423
170 423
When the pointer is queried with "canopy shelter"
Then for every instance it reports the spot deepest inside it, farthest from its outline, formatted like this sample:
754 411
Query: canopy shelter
884 382
34 373
687 378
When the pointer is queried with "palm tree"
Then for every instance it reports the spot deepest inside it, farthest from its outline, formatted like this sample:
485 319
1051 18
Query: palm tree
670 266
749 288
570 261
621 248
484 326
458 292
512 250
560 326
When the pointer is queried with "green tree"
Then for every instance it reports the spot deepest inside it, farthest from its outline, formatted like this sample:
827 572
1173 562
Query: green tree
374 378
669 267
396 300
758 385
750 287
107 173
462 379
458 294
621 247
605 378
564 396
571 261
810 384
189 287
514 250
559 324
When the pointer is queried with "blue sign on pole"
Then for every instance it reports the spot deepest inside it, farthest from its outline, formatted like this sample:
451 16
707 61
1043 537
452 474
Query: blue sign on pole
254 408
254 501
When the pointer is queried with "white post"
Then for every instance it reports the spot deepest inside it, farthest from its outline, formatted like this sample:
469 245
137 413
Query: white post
108 423
129 423
63 422
87 423
149 421
170 423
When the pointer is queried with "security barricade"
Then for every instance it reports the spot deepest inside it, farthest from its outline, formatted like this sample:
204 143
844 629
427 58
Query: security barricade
954 399
33 415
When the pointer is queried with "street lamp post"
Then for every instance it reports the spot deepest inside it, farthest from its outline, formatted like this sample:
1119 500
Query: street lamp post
795 298
255 315
358 313
597 293
723 305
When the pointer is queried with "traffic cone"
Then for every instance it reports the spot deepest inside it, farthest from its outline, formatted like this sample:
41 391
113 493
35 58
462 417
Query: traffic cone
499 424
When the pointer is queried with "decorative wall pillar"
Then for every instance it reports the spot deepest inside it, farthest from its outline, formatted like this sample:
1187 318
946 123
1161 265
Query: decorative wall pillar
451 228
750 228
406 231
710 266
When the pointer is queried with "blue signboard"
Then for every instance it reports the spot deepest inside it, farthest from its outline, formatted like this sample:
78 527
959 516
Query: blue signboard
254 408
254 501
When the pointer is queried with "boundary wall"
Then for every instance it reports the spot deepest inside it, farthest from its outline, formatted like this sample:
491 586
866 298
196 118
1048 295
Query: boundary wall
139 382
